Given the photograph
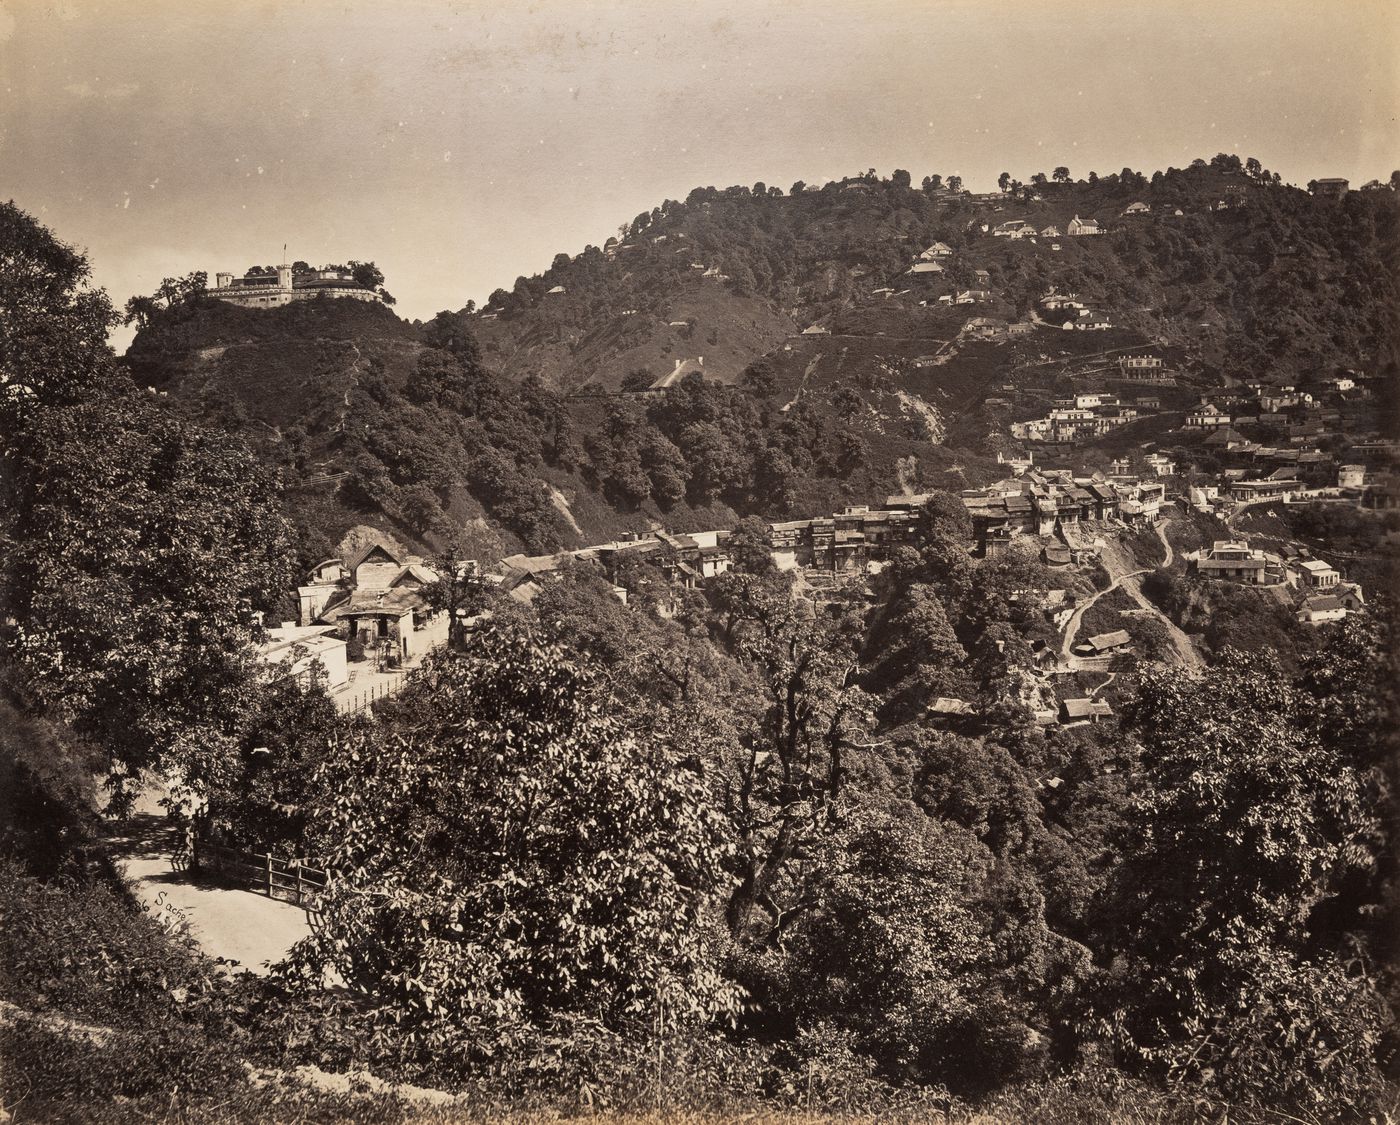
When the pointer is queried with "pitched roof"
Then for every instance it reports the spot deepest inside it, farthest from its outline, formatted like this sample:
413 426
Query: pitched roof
1085 708
378 544
1110 640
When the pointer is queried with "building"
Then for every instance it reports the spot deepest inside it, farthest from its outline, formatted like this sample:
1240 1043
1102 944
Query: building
1314 574
1084 710
375 596
1232 560
1080 227
938 252
1089 322
1014 228
297 650
925 268
285 285
1207 416
1135 363
1330 188
1254 491
1137 208
1321 609
1104 644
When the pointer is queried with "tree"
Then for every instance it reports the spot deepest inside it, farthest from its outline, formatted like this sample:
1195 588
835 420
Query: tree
1245 821
955 183
371 277
1253 168
135 547
748 547
1003 180
461 591
172 291
933 182
782 783
1061 174
900 178
508 855
758 379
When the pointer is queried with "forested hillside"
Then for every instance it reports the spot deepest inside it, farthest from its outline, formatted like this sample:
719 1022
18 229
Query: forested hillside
503 428
1275 279
760 840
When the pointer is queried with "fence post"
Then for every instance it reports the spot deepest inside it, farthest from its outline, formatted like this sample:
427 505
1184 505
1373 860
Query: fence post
268 859
298 871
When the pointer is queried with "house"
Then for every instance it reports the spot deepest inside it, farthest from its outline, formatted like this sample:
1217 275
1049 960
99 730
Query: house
1080 227
1050 232
1137 208
1226 439
816 330
938 252
1329 188
556 289
1014 228
984 328
1084 710
1160 464
301 647
1320 609
1091 322
1103 644
1053 300
1251 491
1314 574
1207 416
1135 363
377 598
925 268
1351 476
1229 559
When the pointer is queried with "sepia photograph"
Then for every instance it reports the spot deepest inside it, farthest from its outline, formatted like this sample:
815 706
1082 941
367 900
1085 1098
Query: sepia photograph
794 562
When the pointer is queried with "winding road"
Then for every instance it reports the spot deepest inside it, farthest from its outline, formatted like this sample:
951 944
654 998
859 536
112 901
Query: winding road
1186 653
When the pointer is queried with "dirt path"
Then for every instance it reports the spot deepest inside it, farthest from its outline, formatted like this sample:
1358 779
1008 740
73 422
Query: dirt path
239 926
802 386
1185 650
1077 618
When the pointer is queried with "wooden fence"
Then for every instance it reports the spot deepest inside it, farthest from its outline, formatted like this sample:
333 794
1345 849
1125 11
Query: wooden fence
263 874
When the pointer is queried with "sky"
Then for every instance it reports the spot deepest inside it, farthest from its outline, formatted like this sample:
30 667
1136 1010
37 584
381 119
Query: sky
462 144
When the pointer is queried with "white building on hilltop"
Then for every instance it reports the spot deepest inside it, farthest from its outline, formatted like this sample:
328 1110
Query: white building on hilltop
270 291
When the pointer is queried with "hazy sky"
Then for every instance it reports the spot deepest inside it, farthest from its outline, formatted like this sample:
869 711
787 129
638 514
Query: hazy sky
462 144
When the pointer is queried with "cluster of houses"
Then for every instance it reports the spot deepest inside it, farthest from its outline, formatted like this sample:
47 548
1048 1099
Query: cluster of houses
1020 228
1326 406
1083 318
1323 595
373 598
1048 503
1076 419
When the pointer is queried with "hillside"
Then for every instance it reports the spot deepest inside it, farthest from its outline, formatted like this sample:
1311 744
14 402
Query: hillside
827 371
1242 271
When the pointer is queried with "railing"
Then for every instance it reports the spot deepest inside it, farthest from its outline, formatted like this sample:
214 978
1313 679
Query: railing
351 702
263 874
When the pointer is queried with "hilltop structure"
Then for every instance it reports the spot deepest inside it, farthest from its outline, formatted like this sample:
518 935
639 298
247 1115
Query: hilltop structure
267 291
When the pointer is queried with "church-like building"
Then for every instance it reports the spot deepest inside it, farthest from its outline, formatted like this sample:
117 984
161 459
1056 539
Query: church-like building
266 291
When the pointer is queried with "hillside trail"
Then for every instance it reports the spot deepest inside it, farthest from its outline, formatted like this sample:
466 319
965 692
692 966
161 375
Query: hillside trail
802 386
1185 651
250 930
1067 657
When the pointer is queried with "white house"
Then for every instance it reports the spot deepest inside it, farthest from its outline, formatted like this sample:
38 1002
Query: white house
1079 227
